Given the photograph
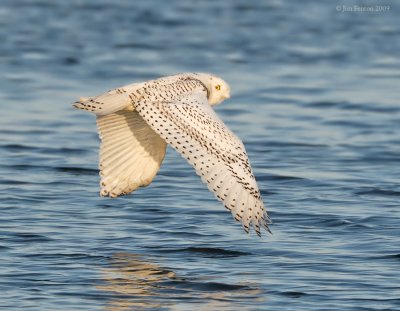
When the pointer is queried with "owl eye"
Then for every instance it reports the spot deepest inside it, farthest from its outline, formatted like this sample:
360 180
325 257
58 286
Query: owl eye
218 87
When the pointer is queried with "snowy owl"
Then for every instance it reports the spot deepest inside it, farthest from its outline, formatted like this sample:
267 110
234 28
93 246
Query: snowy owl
137 121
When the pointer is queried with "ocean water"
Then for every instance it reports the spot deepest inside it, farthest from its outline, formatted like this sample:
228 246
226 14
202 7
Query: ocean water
315 98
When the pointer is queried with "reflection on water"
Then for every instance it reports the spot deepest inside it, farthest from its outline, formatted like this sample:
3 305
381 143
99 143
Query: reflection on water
142 285
135 279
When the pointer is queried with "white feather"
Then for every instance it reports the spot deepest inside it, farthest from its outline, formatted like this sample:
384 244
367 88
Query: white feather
130 153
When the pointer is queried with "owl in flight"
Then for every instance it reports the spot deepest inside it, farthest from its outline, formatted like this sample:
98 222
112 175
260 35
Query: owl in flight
137 121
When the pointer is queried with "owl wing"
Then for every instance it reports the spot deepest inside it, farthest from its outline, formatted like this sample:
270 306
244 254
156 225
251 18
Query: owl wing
130 152
192 127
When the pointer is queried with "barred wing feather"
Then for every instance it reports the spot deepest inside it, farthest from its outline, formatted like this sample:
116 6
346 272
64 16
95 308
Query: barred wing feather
192 127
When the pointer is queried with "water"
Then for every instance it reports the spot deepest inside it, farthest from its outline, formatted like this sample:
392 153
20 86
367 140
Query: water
315 99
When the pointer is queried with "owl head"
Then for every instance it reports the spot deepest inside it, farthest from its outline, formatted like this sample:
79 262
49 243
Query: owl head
218 89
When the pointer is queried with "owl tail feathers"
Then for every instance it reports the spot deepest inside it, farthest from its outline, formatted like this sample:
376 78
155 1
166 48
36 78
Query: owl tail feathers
110 102
88 104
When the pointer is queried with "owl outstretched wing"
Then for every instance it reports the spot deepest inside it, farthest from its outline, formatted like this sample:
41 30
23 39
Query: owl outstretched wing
190 125
130 152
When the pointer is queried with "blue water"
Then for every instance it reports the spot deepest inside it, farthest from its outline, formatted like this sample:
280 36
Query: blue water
315 98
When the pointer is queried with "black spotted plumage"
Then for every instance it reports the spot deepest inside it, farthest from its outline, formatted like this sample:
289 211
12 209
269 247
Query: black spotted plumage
138 118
